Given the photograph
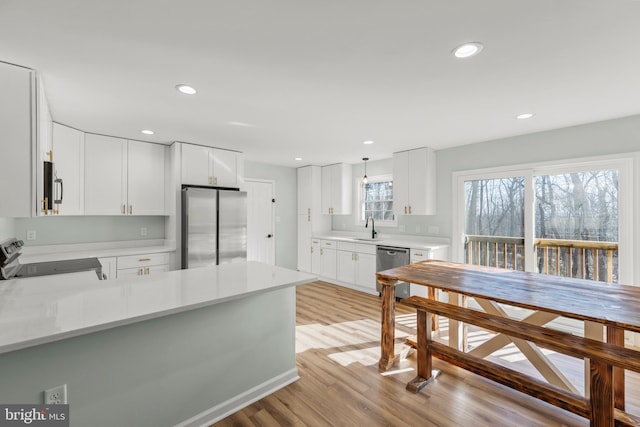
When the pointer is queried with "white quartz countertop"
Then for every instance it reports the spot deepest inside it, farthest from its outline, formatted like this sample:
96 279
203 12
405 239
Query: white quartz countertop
413 242
32 254
41 310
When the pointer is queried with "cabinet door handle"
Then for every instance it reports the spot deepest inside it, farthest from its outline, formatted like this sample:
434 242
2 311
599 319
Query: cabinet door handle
405 210
210 180
139 272
146 271
124 209
409 209
130 209
311 249
321 251
215 180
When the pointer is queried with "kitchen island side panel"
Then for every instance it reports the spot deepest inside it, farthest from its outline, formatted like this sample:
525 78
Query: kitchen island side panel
163 371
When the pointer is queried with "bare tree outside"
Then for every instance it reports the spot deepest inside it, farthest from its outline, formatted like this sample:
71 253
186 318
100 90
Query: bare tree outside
579 206
494 222
576 223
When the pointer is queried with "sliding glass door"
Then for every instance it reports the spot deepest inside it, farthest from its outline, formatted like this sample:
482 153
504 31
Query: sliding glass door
562 219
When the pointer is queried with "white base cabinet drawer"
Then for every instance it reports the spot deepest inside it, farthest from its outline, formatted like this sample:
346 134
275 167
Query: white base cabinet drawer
142 265
141 271
145 260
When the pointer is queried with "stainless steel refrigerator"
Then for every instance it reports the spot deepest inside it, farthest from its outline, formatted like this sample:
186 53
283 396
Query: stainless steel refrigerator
214 226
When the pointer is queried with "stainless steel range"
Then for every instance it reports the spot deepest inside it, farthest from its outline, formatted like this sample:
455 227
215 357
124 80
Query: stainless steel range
10 267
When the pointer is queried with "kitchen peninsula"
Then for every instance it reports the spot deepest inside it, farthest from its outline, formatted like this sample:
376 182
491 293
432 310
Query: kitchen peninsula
184 347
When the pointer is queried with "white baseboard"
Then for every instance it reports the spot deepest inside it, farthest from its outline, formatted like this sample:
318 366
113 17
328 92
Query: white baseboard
242 400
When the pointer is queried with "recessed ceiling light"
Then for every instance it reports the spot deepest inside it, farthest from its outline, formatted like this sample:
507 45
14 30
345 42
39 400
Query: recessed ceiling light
147 131
368 142
524 116
298 159
242 124
186 89
467 50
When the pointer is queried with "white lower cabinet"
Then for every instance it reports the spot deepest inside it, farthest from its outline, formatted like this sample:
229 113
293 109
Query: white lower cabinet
418 255
142 265
346 265
328 259
366 269
357 264
316 260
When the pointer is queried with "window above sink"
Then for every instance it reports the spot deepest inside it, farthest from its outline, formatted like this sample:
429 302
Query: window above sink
375 200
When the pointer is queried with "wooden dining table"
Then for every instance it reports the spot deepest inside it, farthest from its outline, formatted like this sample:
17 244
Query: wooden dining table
606 310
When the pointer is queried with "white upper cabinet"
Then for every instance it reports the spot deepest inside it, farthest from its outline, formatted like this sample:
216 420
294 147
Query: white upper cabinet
68 148
145 178
17 141
223 167
209 166
123 177
105 186
337 189
309 190
414 182
195 165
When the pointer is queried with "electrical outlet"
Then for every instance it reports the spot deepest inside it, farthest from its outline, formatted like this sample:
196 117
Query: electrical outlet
31 234
143 231
56 395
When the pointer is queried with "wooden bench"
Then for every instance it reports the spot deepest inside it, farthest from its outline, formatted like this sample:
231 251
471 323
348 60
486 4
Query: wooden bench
599 407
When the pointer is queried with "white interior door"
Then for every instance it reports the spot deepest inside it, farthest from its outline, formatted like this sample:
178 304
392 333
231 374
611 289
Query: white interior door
260 221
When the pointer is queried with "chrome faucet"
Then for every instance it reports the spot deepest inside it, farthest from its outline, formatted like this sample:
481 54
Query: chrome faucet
374 233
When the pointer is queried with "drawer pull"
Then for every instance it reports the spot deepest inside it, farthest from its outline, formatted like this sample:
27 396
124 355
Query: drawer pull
417 254
144 259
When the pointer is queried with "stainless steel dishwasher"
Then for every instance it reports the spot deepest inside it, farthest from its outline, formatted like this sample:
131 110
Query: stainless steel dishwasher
388 257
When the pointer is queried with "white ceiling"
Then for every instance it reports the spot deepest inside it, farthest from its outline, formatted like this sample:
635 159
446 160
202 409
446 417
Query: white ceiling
315 78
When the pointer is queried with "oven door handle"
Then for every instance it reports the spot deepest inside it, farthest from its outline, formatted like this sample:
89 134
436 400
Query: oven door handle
59 181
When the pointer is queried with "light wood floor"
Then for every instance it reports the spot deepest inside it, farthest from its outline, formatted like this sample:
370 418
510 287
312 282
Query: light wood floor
337 340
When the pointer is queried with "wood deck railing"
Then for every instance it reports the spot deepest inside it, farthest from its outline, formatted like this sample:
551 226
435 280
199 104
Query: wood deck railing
495 251
579 259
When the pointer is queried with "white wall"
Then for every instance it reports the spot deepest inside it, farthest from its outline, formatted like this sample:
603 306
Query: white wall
54 230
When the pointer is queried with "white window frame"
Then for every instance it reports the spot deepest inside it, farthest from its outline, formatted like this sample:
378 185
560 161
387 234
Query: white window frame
358 201
627 203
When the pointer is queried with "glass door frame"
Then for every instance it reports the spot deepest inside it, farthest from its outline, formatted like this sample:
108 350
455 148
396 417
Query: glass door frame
626 204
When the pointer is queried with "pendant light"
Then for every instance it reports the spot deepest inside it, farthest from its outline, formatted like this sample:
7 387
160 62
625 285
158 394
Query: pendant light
365 179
